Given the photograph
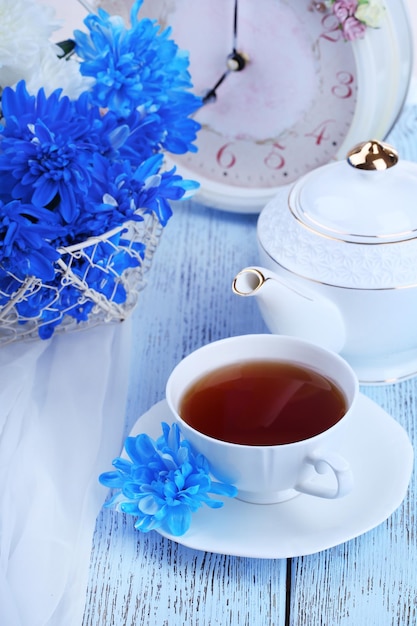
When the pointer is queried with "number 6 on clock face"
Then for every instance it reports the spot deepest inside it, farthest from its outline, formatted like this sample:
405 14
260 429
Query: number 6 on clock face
285 92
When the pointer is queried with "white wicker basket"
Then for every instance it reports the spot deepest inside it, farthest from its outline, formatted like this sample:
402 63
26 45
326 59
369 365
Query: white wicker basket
100 308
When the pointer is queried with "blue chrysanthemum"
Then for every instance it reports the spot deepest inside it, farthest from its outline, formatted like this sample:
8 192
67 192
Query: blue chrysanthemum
46 150
140 70
163 483
24 234
127 188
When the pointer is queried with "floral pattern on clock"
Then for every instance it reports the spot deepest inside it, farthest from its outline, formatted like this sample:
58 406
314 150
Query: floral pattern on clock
355 16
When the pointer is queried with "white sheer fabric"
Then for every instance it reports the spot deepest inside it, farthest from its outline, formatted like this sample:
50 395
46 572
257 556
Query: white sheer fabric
62 409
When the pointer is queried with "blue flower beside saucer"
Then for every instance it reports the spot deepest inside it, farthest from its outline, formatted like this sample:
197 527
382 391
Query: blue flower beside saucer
163 483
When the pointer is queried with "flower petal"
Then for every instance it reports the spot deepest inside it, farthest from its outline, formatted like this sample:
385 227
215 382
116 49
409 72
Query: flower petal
148 505
178 521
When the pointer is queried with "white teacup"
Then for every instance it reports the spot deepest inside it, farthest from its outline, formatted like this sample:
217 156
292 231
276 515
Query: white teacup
271 473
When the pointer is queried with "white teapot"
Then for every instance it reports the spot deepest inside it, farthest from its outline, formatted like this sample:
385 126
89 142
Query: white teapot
339 256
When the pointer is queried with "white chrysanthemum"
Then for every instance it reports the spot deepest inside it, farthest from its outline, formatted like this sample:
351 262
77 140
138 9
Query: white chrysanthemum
370 13
25 29
52 73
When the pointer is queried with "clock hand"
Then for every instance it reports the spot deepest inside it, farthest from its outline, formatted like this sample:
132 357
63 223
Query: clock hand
235 28
235 62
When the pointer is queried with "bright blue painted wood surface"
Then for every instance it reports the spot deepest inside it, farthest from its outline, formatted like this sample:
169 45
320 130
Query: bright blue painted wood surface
139 579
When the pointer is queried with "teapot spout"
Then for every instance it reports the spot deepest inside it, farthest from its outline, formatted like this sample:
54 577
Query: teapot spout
289 311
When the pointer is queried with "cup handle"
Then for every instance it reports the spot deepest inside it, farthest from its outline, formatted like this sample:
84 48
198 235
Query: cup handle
322 464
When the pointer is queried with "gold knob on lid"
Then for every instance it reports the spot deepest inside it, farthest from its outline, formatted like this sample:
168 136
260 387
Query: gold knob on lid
372 155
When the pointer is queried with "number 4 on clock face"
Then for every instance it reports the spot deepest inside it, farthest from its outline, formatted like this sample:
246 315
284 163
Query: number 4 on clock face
281 93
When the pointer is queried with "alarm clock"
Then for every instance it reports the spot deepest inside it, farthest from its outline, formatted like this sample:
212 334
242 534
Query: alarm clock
283 91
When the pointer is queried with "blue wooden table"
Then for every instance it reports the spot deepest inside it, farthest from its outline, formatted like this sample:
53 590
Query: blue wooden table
145 579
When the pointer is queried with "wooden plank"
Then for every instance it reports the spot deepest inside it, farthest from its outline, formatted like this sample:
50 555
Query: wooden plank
144 579
372 580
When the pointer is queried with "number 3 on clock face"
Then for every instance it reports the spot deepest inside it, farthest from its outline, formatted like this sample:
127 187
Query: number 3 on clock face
290 108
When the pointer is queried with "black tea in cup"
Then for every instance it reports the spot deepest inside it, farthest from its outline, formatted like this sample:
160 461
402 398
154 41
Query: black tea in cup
262 403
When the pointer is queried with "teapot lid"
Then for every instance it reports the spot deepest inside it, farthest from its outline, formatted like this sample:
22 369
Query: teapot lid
350 223
368 198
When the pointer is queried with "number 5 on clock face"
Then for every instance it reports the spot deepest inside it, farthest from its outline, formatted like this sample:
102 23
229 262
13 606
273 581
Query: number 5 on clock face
283 89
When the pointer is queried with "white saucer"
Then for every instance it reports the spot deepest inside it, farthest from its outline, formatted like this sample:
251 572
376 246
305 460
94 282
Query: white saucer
381 458
383 370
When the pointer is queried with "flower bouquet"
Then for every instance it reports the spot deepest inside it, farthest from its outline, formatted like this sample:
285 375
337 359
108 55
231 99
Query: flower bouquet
84 194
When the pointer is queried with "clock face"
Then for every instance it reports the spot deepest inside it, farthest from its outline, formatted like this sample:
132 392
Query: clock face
305 95
288 110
